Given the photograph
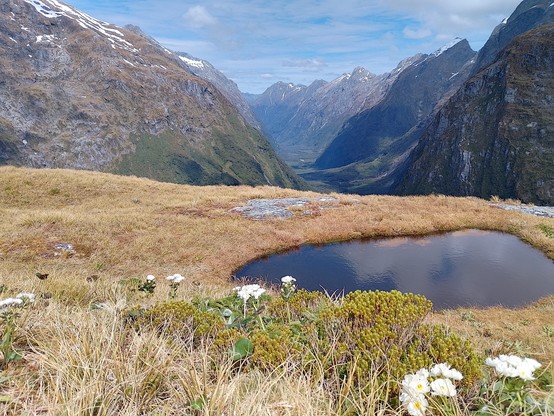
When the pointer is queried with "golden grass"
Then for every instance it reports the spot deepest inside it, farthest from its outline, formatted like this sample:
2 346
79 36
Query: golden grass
126 227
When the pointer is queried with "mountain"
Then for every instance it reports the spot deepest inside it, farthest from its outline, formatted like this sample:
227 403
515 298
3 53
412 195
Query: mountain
528 15
301 120
79 93
228 88
496 134
372 143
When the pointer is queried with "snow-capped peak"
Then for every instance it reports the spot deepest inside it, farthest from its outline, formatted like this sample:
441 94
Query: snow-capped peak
504 21
446 47
54 9
192 62
341 78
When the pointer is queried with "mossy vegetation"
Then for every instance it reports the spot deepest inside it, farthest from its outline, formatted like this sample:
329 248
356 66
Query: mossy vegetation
236 155
365 335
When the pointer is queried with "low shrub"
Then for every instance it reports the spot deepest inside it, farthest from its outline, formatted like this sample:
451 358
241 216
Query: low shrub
362 340
182 320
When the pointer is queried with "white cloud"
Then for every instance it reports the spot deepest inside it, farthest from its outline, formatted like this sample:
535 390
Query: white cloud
198 17
197 48
307 64
417 33
250 38
454 15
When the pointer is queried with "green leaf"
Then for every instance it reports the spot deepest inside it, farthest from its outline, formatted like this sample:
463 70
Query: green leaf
12 356
242 348
484 411
197 404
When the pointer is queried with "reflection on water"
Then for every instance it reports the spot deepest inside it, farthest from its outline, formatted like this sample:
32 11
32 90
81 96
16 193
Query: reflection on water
463 268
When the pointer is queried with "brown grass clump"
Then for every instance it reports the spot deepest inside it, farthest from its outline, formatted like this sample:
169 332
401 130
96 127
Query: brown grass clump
80 358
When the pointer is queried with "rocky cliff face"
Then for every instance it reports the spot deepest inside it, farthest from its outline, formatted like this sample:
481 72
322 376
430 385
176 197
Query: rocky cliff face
79 93
301 120
496 135
228 88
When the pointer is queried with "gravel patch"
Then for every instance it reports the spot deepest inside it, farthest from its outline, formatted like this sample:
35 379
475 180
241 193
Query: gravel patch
263 209
529 209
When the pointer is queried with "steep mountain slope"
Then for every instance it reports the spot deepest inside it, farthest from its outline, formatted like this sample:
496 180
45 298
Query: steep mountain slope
411 98
228 88
80 93
301 120
496 135
374 142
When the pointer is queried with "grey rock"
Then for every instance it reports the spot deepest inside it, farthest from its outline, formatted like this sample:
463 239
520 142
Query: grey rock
528 209
263 209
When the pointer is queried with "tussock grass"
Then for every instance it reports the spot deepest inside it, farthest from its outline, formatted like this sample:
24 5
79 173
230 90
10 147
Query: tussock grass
81 360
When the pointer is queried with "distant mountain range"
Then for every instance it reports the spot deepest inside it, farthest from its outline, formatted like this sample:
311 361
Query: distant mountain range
76 92
452 122
80 93
299 120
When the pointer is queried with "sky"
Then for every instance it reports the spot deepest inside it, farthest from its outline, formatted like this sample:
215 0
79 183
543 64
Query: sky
259 42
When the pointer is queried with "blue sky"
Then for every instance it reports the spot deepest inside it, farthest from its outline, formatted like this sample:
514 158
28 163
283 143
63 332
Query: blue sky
258 42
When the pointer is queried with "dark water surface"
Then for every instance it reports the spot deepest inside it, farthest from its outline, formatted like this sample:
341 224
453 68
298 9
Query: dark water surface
472 267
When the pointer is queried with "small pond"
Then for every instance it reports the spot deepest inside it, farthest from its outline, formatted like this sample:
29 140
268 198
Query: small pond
464 268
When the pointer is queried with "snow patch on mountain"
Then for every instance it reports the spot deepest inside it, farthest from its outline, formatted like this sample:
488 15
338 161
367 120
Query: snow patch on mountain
43 9
341 78
446 47
54 9
192 62
45 38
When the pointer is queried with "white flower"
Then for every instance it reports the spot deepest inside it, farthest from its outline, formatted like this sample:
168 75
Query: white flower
443 387
414 384
525 372
534 364
170 278
257 293
10 301
177 278
513 366
444 370
491 362
418 406
243 294
505 369
29 296
288 279
150 278
247 291
513 360
423 373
